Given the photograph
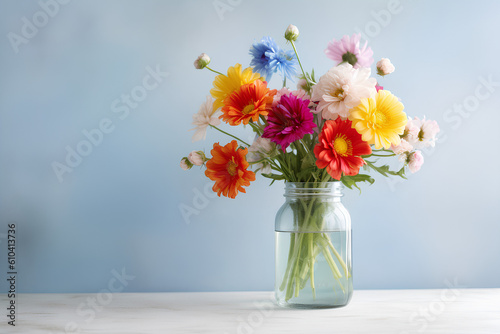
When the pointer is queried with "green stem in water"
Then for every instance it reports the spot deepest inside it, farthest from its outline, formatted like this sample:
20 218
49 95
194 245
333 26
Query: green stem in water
230 135
337 255
289 263
312 257
335 270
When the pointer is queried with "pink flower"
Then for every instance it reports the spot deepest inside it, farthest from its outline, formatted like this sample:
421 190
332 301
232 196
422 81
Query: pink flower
410 133
377 87
288 121
348 50
401 150
197 158
186 164
302 84
300 93
426 135
384 67
341 89
416 160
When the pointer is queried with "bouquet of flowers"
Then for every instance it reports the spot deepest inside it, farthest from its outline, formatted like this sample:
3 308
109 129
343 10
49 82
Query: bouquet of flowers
326 129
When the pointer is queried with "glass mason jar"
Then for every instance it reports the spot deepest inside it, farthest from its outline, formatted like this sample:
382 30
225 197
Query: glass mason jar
313 247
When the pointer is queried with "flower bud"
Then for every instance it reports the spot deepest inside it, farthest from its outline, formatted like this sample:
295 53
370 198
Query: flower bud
197 158
186 164
292 33
202 61
384 67
302 84
416 160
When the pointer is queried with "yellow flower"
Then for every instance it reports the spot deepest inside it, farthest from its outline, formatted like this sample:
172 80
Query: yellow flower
225 85
380 119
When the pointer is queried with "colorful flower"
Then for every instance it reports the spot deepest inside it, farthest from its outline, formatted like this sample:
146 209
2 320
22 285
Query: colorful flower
380 120
415 161
268 58
204 118
340 149
384 67
377 87
347 50
224 85
228 168
285 62
289 120
248 103
426 135
341 89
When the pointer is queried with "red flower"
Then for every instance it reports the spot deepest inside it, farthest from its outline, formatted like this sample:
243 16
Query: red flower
340 149
228 168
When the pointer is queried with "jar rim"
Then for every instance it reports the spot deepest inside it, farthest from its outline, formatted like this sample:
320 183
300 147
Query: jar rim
330 188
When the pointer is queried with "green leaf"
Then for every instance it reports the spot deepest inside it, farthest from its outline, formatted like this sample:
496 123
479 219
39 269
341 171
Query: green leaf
351 180
308 161
385 170
304 173
274 176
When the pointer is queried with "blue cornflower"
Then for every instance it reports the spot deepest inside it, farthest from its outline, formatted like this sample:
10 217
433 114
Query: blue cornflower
268 58
285 62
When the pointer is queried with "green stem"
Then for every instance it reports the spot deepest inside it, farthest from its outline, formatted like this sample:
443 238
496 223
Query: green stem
312 258
208 68
337 255
298 59
289 263
335 270
380 155
230 135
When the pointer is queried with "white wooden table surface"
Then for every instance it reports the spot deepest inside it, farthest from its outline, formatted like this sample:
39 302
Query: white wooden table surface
471 311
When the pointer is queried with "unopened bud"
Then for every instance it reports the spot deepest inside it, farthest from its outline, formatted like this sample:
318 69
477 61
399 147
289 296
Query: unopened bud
292 33
186 164
384 67
202 61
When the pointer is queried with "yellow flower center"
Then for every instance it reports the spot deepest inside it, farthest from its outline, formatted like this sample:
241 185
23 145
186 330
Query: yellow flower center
342 146
378 120
231 167
339 93
380 116
248 109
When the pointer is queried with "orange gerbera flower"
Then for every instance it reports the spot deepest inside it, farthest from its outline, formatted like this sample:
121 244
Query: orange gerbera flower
228 168
340 149
248 103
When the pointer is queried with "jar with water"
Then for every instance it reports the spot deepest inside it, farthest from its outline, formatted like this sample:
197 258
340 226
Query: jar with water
313 247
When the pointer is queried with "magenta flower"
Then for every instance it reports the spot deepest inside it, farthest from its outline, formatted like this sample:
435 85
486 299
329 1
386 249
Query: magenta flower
347 50
289 120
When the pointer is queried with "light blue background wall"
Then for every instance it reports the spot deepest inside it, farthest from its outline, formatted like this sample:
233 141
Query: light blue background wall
120 207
